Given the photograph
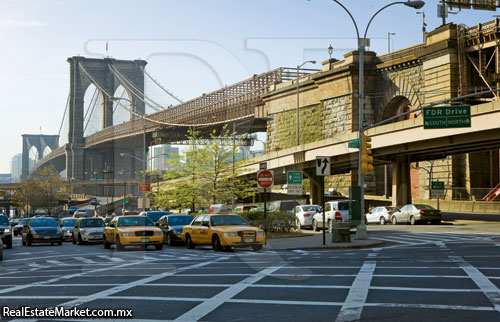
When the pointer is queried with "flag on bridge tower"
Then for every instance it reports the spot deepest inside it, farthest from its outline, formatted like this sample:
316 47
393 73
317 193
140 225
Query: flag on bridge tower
107 54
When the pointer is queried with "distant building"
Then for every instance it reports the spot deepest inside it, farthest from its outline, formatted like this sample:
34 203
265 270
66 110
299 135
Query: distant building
5 178
16 167
161 156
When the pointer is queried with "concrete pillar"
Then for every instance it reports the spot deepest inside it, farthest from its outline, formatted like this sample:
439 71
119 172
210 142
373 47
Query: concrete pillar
77 163
25 159
401 182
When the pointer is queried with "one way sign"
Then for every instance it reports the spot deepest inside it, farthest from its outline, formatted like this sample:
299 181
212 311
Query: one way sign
323 166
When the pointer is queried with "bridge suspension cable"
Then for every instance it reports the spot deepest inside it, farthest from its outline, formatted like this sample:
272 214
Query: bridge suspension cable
134 90
93 103
160 86
64 116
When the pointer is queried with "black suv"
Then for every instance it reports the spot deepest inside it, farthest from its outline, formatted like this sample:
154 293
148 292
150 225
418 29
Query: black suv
6 231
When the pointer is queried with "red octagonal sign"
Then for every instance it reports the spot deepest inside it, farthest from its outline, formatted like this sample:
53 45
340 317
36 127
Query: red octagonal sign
265 179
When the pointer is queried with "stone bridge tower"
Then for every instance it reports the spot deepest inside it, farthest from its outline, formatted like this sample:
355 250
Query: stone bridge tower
40 142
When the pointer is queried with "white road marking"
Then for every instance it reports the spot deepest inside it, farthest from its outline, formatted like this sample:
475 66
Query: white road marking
114 290
397 241
57 263
211 304
353 305
487 287
85 260
114 259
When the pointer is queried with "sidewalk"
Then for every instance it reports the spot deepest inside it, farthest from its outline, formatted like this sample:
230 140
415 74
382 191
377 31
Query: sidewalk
315 242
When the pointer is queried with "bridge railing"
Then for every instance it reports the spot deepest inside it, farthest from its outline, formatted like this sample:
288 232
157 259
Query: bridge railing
475 31
230 102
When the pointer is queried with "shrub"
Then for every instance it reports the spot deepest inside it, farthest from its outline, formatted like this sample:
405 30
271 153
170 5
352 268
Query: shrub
274 221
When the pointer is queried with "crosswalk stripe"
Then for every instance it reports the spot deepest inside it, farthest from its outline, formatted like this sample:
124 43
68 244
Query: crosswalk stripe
85 260
114 259
59 263
392 239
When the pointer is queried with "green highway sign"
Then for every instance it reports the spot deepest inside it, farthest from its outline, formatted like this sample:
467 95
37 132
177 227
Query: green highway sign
125 200
294 177
437 185
354 144
445 117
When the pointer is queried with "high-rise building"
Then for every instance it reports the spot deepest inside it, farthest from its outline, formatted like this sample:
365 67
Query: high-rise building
16 167
161 156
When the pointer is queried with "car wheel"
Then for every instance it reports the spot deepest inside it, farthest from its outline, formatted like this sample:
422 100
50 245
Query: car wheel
73 240
412 220
106 244
315 225
189 242
159 246
119 246
437 222
29 240
59 243
216 243
80 240
382 220
9 244
394 220
170 240
257 247
23 242
330 226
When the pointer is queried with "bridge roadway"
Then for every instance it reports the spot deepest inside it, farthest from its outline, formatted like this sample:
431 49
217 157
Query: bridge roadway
399 142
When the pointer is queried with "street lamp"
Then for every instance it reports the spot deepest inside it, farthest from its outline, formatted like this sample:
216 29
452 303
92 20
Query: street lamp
116 99
389 34
330 50
362 43
298 76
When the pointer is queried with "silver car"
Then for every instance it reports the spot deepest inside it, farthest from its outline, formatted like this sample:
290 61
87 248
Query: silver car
88 230
304 214
415 213
334 211
381 215
67 225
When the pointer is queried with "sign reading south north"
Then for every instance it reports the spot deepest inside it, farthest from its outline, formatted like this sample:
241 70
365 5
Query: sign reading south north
323 166
446 117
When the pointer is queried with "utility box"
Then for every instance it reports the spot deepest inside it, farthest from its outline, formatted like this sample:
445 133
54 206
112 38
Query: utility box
355 205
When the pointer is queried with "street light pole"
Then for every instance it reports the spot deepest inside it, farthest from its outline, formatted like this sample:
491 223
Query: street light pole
298 91
389 34
362 44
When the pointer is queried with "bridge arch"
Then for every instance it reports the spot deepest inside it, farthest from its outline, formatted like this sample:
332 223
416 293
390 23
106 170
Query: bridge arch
399 96
36 144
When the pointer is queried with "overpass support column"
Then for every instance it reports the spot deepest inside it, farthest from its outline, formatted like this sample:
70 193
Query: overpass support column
401 182
314 187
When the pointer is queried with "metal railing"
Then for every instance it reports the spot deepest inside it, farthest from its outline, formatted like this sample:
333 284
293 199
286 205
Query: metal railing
466 194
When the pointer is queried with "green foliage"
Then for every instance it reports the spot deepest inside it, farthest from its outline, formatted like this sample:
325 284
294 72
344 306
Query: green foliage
274 221
204 174
42 190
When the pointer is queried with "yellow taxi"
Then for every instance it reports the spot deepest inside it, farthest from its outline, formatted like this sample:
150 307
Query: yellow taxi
222 230
132 231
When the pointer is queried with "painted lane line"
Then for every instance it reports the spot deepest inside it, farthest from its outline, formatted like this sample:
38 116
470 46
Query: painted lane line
120 288
415 238
113 259
421 276
398 241
415 289
281 302
57 263
353 305
61 278
432 306
487 287
211 304
85 260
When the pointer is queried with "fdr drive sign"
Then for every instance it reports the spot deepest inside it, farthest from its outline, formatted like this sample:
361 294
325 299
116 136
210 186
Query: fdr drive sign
445 117
265 179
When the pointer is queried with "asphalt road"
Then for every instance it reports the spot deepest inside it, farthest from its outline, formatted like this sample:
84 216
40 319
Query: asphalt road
422 273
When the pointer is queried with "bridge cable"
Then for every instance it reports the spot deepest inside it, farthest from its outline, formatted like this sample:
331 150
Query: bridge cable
94 99
160 86
64 116
156 121
138 93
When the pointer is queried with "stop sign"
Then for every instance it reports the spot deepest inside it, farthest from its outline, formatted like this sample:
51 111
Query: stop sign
265 179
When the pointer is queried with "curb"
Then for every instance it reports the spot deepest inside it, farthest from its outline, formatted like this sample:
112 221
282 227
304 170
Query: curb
370 243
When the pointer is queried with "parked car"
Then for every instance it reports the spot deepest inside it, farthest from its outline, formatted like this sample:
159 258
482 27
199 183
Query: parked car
222 230
415 213
132 231
72 209
84 213
17 228
381 215
88 230
334 211
41 230
5 231
154 215
130 213
172 225
14 221
304 214
67 225
283 205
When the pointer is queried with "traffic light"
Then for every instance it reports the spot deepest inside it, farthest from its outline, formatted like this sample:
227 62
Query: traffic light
366 158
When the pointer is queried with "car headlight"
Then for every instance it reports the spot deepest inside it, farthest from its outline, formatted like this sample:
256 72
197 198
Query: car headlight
231 234
6 230
260 233
158 233
68 231
127 234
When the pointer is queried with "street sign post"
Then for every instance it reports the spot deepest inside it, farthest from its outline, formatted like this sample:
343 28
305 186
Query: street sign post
294 182
446 117
265 180
437 190
323 166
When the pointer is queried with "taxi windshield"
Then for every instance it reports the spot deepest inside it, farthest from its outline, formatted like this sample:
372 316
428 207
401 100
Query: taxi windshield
69 222
179 220
134 221
43 222
224 220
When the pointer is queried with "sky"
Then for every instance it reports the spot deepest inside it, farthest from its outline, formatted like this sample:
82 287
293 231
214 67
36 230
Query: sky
192 46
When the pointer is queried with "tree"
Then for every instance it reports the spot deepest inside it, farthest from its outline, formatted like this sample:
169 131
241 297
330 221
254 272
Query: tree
41 190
